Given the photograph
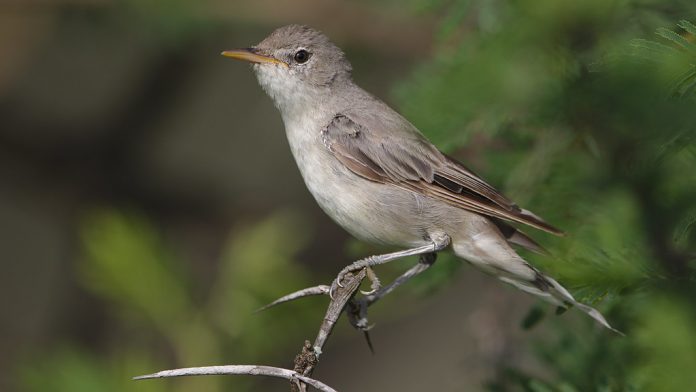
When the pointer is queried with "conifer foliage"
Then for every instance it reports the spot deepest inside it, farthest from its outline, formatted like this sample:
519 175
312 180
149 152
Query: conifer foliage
586 112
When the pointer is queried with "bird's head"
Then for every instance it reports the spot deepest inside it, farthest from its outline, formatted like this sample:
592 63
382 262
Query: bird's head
295 63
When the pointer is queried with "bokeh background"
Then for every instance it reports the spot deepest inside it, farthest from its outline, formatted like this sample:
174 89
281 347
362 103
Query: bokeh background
149 202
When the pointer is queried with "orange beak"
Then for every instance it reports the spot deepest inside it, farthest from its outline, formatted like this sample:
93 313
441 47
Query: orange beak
250 55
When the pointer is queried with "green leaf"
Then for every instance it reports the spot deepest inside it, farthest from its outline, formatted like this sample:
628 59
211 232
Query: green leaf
127 263
688 26
676 39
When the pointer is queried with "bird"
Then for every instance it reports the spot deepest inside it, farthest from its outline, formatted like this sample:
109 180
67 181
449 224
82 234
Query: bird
377 176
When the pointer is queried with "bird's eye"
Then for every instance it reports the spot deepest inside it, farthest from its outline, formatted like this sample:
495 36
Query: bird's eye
302 56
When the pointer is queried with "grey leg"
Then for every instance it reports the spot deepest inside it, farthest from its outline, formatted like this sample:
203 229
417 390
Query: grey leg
357 308
438 244
424 262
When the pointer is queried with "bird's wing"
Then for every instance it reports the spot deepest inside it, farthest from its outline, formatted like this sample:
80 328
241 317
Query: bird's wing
404 157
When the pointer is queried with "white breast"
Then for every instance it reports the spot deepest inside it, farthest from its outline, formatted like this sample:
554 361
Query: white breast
370 211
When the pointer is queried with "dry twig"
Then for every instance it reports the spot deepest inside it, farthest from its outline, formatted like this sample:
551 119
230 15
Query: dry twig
251 370
307 360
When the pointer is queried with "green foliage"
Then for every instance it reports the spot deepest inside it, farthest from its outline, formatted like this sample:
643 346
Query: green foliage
68 369
594 128
677 49
666 341
130 267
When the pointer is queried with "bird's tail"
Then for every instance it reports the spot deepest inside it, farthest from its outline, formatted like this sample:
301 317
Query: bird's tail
550 290
486 245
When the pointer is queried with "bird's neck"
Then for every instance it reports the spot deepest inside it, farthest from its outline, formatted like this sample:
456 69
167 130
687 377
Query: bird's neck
306 117
313 106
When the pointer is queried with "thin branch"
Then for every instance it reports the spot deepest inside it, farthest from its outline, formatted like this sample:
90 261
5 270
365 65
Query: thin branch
251 370
424 262
357 310
342 295
307 360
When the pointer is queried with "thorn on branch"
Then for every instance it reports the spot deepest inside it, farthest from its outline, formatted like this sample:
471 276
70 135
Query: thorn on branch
309 291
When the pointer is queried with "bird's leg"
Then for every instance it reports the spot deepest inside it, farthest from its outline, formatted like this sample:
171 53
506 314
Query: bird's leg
425 261
357 308
438 243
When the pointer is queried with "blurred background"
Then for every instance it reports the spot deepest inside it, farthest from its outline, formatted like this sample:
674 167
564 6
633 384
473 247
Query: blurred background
149 202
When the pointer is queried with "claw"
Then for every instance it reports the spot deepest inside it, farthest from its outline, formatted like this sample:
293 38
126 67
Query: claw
375 284
339 278
336 283
369 341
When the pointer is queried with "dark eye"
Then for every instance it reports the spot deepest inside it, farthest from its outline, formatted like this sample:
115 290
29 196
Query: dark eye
302 56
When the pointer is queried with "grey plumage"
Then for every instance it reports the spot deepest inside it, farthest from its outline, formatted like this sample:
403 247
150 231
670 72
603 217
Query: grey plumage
378 177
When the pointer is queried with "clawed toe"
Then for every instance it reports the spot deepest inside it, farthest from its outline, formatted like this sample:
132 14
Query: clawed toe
332 290
339 278
375 284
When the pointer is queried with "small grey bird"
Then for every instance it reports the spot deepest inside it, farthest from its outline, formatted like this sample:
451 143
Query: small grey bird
379 178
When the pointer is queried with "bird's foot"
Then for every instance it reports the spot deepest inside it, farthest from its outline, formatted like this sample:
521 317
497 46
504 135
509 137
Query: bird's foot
365 263
356 266
439 242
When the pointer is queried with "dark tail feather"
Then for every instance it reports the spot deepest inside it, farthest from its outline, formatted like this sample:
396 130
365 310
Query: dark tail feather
517 237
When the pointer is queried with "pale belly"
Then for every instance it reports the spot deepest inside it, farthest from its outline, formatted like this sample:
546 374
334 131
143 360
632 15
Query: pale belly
370 211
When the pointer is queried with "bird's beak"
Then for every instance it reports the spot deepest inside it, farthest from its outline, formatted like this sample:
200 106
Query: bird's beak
250 55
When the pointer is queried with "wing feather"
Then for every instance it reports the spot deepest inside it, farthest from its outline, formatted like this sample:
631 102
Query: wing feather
406 159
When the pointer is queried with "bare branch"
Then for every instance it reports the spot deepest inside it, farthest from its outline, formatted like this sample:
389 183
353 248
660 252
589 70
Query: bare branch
305 362
250 370
341 296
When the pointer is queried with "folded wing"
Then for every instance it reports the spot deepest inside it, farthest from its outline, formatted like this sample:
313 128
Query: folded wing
403 157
